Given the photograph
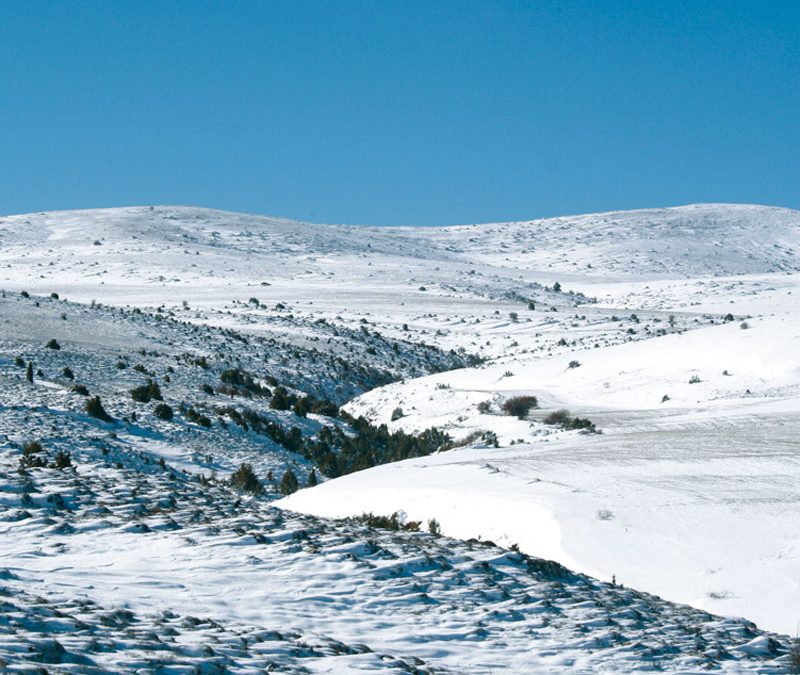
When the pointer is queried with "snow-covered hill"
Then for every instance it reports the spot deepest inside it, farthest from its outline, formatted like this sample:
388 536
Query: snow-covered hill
674 331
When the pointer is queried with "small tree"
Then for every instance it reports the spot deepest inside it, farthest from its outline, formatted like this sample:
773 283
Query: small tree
147 392
289 483
245 479
520 405
29 372
163 411
94 408
301 407
62 460
280 399
312 478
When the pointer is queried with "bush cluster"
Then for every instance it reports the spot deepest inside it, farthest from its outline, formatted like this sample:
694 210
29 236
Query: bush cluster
520 406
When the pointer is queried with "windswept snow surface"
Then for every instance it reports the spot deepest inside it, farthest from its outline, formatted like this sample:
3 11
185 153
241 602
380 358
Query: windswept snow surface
675 331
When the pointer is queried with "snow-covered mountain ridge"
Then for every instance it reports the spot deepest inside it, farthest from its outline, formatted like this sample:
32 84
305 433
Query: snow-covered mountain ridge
674 331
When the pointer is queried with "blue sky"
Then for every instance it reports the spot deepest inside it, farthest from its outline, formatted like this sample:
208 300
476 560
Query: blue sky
399 112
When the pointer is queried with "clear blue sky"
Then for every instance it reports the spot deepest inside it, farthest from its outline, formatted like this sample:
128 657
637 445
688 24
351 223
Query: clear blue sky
399 112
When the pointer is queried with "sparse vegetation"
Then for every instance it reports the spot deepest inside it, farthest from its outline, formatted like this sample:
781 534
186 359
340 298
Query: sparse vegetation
94 408
163 411
565 420
147 392
245 480
519 406
289 484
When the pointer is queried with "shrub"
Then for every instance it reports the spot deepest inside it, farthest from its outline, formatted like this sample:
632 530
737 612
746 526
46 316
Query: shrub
574 364
19 362
32 448
744 325
564 419
245 479
67 372
280 399
557 417
393 522
289 483
397 413
94 408
53 344
434 527
485 407
694 379
242 383
325 408
29 372
301 407
147 392
80 389
519 406
163 411
62 460
207 389
193 416
312 478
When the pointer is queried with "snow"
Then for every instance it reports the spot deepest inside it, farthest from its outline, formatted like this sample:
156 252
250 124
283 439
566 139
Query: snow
689 493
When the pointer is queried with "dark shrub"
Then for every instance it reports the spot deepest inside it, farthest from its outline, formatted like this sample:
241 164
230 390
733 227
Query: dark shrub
193 416
325 408
393 522
29 372
147 392
557 417
519 406
207 389
301 407
19 362
245 479
163 411
62 460
289 483
242 383
67 372
563 419
53 344
32 448
280 399
94 408
80 389
397 413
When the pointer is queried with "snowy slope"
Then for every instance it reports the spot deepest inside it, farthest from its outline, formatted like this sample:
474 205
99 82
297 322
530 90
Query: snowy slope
675 331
